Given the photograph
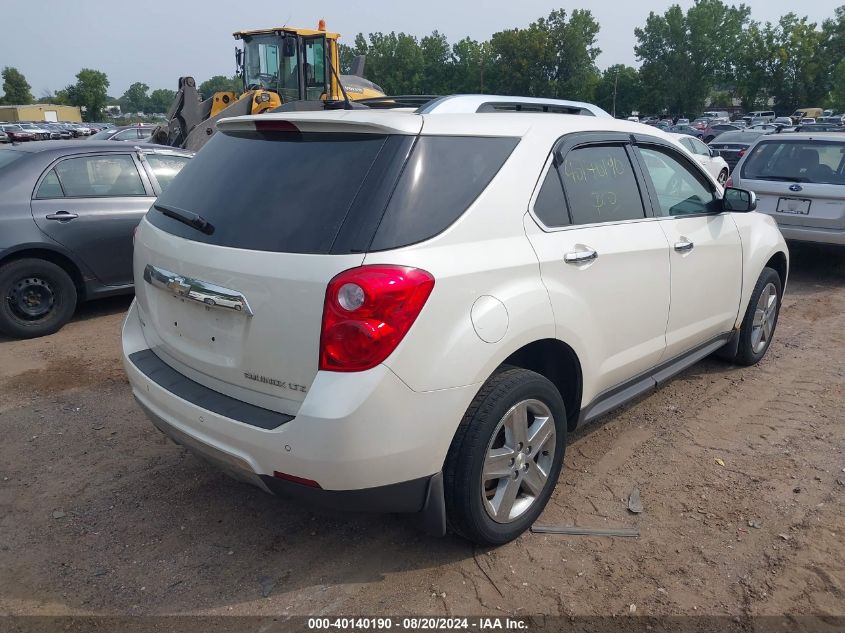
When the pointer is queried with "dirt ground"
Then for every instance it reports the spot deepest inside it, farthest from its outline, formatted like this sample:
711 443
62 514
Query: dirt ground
741 472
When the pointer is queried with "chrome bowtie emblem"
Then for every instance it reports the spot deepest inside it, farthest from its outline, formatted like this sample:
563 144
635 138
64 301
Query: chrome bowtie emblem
179 286
795 187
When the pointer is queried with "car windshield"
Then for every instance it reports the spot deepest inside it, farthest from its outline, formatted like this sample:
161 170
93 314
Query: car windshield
811 161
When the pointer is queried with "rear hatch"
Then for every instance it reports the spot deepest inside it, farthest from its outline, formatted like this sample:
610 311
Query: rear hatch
234 300
800 181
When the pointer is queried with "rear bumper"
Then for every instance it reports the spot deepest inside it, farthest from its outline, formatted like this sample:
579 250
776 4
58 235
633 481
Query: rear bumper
367 439
811 234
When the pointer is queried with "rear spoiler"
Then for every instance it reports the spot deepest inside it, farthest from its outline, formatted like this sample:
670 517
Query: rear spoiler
349 122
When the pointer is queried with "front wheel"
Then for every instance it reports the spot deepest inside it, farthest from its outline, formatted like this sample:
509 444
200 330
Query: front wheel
761 317
505 458
723 177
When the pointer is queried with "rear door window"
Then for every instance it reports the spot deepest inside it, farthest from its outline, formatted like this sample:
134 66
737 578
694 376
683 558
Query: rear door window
550 205
49 187
98 176
600 185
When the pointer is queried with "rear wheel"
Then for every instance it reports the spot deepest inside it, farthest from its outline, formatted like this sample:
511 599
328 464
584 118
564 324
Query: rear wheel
37 297
761 317
505 458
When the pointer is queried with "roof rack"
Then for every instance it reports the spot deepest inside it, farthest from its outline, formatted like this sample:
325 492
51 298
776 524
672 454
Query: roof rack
500 103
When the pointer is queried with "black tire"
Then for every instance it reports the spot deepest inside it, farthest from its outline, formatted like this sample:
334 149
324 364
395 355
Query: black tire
746 354
723 177
45 279
464 490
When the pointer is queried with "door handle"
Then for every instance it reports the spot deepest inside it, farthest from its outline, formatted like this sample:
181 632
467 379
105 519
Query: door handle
580 257
62 216
684 245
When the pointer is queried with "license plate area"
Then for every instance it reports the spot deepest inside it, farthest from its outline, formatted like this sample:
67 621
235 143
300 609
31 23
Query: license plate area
794 206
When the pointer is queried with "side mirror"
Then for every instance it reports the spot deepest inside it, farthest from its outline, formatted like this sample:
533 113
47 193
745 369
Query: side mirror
739 200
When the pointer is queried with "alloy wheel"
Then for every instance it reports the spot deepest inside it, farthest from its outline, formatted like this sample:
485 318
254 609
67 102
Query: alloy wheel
518 460
765 315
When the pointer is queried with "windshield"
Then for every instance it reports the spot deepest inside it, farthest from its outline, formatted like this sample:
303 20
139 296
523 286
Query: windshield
266 66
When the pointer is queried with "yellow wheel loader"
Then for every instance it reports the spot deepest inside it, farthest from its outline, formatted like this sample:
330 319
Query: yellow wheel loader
278 66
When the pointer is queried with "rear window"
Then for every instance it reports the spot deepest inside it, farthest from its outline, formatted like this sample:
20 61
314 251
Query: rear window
274 192
808 161
329 193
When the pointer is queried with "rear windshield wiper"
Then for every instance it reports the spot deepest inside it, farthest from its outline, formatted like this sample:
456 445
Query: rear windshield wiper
194 220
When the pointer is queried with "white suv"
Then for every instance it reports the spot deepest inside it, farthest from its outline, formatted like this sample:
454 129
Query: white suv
407 311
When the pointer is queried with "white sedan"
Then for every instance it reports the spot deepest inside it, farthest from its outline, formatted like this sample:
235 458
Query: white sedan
716 165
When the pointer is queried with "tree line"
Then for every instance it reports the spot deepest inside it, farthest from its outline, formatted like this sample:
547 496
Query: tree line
707 56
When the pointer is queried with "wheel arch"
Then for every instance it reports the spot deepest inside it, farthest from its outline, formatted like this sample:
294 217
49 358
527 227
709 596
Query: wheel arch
62 260
558 362
779 264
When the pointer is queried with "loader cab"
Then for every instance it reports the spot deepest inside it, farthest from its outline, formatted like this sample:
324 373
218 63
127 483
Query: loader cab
294 63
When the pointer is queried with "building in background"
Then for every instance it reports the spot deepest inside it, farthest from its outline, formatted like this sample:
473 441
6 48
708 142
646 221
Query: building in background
40 112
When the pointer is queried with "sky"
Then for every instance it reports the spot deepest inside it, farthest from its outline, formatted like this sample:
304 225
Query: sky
157 41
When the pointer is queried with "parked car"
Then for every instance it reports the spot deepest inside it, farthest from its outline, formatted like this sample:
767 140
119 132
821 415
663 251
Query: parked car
819 127
764 116
4 138
715 165
17 134
782 120
732 145
764 127
41 134
800 181
378 352
67 214
682 121
701 123
62 132
717 128
134 133
806 113
685 129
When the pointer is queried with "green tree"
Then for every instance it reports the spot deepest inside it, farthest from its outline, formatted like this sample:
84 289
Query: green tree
837 95
437 67
136 98
161 99
552 57
89 92
470 66
220 83
17 90
624 82
798 77
394 61
686 55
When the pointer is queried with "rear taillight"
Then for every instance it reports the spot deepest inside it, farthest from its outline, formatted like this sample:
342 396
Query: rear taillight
729 183
742 152
368 311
